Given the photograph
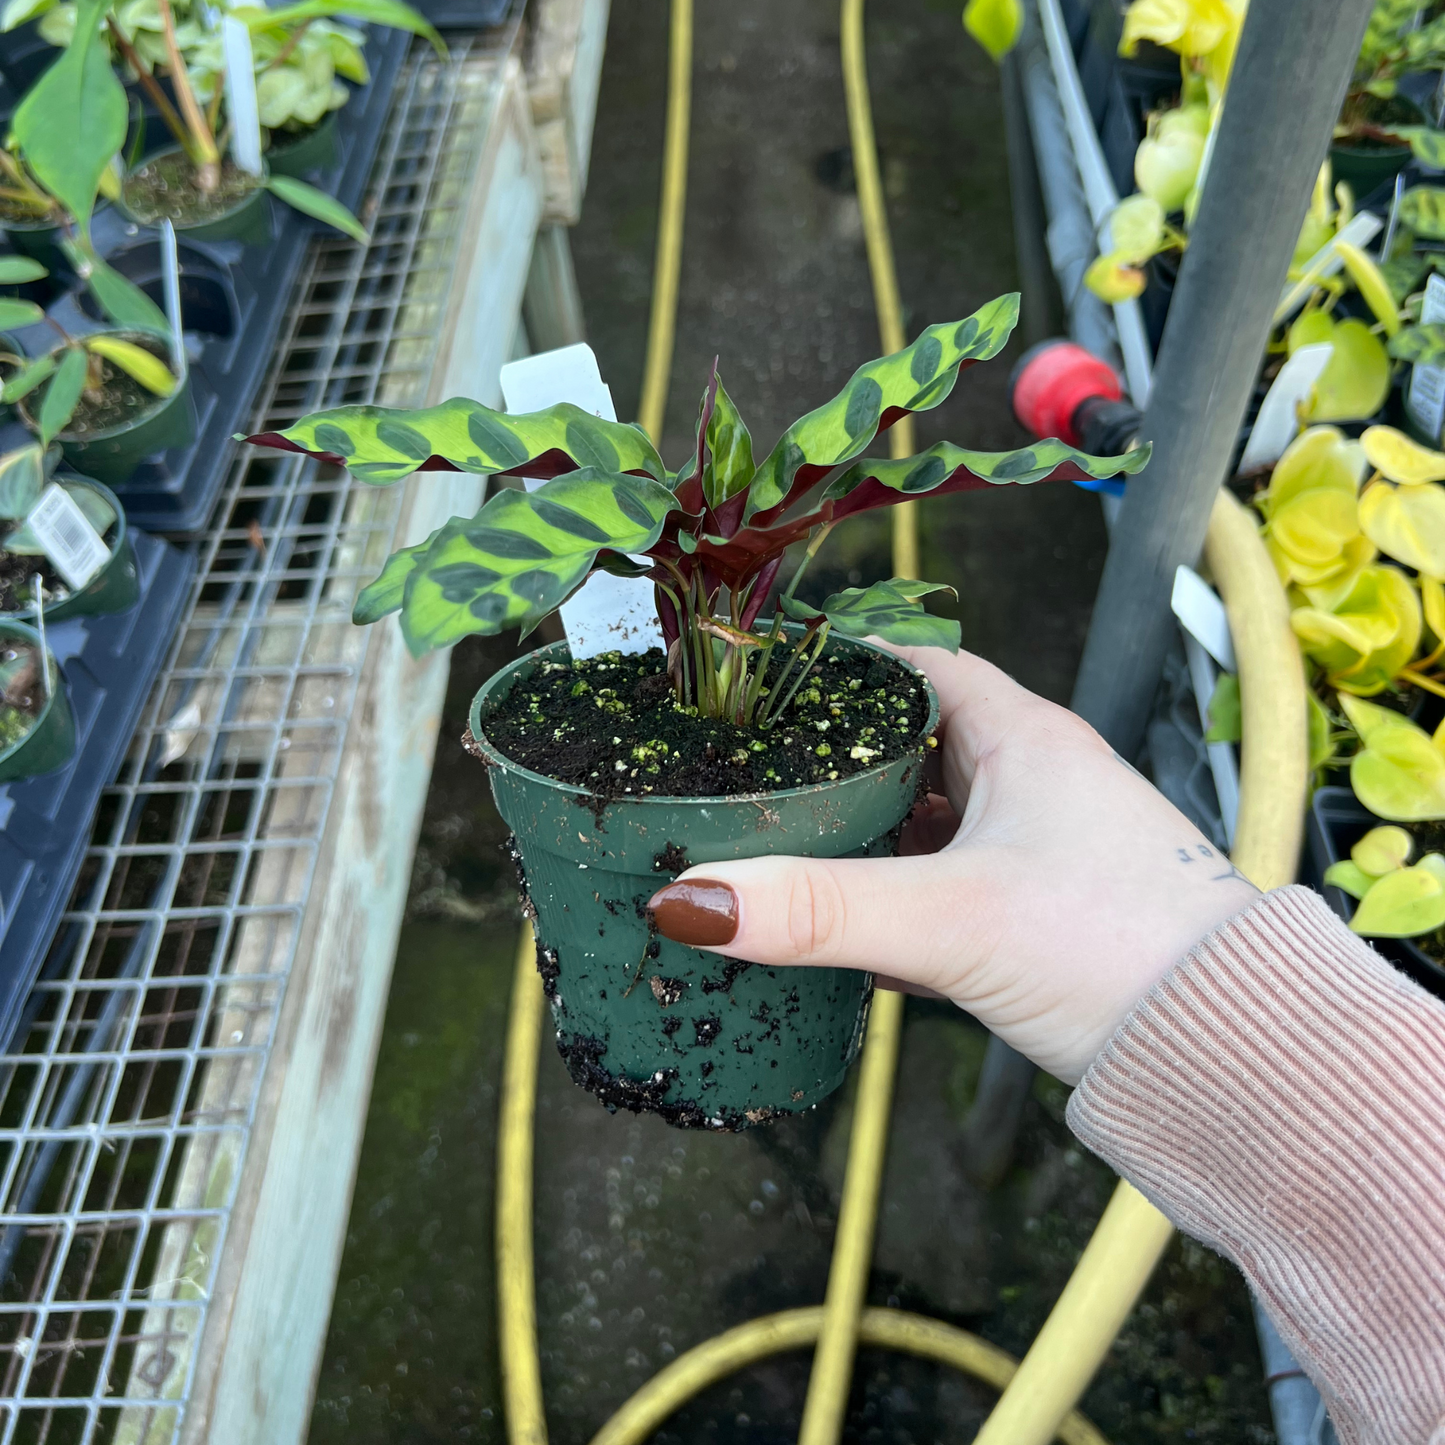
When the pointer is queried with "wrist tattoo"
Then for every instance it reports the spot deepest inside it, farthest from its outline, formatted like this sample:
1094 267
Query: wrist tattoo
1202 853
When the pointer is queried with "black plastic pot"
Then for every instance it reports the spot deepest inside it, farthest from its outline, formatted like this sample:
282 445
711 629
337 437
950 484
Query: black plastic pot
41 241
304 153
1366 165
114 588
50 743
247 221
1337 821
208 296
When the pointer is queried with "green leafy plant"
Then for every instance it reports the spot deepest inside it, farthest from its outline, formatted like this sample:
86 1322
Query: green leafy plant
1397 899
24 475
1394 46
73 370
711 537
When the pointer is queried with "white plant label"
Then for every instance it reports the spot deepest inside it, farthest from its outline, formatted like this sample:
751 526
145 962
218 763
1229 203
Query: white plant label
75 549
1201 614
607 614
1278 422
1425 400
241 104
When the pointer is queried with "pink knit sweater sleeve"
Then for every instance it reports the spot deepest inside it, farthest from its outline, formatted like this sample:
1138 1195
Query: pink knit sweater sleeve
1280 1095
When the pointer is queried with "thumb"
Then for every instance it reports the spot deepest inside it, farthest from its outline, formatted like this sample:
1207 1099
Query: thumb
889 915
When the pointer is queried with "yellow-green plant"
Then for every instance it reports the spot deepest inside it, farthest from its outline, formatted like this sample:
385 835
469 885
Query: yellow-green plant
1397 900
1399 771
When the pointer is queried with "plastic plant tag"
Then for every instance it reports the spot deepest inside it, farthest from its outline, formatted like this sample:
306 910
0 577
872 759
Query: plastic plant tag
241 104
1360 231
1201 614
171 280
1278 423
74 547
1425 399
608 614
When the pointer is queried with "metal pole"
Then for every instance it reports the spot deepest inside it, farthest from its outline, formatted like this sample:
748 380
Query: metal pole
1294 62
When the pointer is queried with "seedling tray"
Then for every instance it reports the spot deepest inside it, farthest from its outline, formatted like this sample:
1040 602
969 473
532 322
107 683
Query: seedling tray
109 664
1337 821
233 300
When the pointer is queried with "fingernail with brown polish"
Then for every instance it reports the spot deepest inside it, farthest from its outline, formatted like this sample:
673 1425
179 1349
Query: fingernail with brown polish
699 913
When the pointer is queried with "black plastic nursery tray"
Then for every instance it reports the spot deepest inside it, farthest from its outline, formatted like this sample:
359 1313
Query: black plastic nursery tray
468 14
1337 821
109 664
234 298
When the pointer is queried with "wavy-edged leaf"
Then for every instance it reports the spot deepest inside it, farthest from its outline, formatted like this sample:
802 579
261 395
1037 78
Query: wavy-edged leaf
946 468
28 378
22 479
73 119
380 445
890 610
312 202
387 591
17 270
1400 458
135 361
914 379
525 553
1423 344
1422 209
1425 142
18 313
62 395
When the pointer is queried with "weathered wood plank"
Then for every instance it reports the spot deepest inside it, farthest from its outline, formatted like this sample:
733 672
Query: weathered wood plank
564 73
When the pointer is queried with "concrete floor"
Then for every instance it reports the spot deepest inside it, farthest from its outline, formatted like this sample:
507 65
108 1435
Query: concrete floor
650 1239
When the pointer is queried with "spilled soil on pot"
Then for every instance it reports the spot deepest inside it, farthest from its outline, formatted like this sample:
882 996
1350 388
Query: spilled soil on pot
166 187
611 724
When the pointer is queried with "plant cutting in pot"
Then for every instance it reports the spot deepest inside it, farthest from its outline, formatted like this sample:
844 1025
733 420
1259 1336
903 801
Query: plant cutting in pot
81 559
37 728
766 724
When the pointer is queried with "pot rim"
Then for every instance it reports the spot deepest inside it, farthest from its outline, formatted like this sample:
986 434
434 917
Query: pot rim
121 531
10 626
162 403
495 758
249 199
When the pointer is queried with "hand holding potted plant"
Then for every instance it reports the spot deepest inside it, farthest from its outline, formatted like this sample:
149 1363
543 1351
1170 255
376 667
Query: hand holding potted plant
767 724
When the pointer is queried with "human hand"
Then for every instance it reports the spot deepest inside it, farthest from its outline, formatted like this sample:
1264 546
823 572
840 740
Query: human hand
1069 887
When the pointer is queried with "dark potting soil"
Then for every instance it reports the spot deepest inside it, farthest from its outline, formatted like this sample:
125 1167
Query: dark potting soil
610 724
16 570
23 215
23 699
167 186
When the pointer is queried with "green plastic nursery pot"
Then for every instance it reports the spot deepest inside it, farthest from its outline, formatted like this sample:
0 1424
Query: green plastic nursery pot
116 586
1366 167
51 742
40 240
302 153
650 1025
111 455
248 221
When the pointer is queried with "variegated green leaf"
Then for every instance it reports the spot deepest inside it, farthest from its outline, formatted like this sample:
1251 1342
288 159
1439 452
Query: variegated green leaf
947 468
1426 143
729 467
890 610
1388 19
1422 209
914 379
1424 344
386 592
380 445
1404 274
525 553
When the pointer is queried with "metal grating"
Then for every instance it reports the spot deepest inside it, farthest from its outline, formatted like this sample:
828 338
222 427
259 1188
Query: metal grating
126 1107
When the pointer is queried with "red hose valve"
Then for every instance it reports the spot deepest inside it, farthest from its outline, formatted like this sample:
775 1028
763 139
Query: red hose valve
1052 381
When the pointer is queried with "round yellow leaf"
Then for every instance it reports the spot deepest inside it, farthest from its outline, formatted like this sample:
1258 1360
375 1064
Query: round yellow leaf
1382 850
1408 524
1356 379
1112 281
1310 328
1404 904
1402 460
1368 637
1400 774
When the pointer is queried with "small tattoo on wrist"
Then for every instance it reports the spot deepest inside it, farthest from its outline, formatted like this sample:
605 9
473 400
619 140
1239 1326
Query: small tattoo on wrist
1202 852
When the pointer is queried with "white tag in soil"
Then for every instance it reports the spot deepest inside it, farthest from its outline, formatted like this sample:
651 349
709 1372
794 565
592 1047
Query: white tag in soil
1426 398
75 549
607 614
241 103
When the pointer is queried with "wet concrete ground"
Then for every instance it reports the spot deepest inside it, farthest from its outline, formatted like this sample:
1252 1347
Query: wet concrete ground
650 1240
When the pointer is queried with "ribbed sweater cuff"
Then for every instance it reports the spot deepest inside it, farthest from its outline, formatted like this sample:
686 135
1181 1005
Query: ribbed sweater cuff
1280 1095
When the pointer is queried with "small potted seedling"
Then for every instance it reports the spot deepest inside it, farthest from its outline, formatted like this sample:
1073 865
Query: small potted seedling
73 545
37 728
766 725
108 397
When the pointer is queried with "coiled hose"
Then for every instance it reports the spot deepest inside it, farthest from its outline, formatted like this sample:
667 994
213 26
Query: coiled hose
1039 1394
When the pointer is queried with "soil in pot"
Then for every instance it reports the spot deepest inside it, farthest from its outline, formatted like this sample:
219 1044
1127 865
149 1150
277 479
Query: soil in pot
22 691
610 724
17 571
120 400
643 1023
166 187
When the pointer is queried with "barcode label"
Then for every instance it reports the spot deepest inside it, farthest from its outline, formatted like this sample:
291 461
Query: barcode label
1426 399
74 547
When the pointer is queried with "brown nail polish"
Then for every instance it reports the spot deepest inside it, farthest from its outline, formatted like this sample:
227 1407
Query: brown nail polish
699 913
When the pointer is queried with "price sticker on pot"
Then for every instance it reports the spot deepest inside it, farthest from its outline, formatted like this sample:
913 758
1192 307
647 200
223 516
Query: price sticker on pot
75 549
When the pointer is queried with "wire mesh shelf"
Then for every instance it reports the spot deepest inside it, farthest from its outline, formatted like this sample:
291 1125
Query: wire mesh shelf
127 1103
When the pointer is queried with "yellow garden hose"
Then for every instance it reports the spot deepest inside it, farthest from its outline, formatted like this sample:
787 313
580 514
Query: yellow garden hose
657 370
1040 1393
